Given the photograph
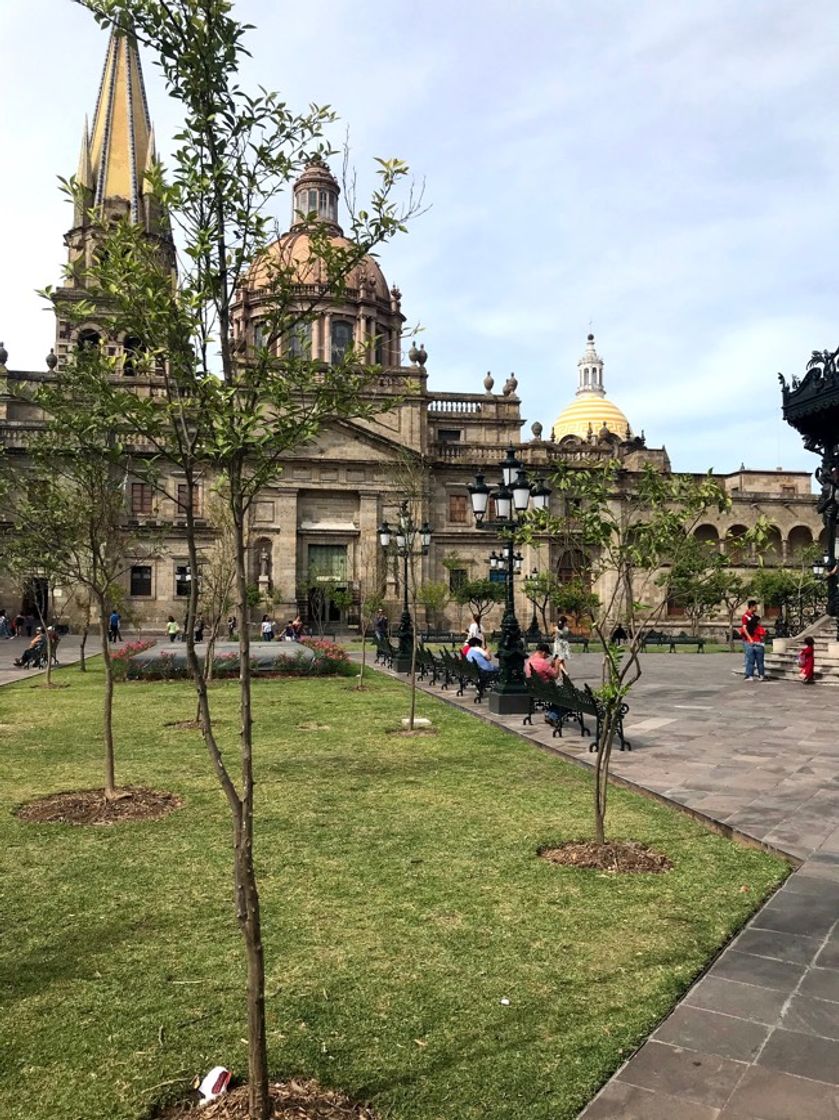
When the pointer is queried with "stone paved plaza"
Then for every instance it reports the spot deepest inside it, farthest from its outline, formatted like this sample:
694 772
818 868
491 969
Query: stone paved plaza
757 1038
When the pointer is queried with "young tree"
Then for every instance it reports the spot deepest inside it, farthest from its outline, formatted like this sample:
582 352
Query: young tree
371 602
692 580
635 538
540 590
72 515
434 596
228 408
480 595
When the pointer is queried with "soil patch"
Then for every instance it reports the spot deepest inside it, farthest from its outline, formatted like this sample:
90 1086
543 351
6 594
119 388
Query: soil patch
313 726
615 856
89 806
184 725
292 1100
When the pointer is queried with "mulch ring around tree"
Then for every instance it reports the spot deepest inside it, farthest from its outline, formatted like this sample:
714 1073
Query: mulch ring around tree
292 1100
89 806
616 856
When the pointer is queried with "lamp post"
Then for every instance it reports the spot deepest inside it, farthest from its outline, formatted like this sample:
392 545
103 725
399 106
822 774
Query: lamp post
534 631
405 536
811 406
513 496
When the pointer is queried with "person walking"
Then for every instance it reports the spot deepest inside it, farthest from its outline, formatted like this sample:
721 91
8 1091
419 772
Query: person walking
807 662
114 634
266 629
172 629
747 627
199 629
562 645
759 646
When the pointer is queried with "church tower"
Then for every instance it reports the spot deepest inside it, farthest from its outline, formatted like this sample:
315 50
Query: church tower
115 155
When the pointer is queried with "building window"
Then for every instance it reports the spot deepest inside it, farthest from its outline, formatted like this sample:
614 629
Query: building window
457 578
342 338
449 435
132 355
88 340
141 581
140 497
380 349
328 561
183 499
183 579
300 341
457 509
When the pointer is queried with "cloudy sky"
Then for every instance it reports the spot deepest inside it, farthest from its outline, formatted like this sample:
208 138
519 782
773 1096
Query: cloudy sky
663 170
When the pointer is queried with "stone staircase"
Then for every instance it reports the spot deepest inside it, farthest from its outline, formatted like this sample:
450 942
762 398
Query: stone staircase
782 662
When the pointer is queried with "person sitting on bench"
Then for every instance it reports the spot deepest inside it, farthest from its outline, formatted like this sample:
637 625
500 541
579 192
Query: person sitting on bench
481 657
34 651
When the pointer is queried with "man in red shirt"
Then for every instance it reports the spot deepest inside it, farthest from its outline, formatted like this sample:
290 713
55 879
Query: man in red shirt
747 626
539 664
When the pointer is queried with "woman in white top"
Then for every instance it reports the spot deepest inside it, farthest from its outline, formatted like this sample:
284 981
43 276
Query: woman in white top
562 648
475 630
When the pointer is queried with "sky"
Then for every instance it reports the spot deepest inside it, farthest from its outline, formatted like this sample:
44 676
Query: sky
661 172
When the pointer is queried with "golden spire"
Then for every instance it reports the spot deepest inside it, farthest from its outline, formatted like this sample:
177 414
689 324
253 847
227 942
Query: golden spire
119 143
84 174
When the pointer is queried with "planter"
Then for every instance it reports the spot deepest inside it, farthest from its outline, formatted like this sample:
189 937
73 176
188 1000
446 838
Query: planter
779 645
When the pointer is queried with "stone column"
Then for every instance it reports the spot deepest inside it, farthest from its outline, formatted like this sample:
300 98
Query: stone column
327 337
284 553
368 560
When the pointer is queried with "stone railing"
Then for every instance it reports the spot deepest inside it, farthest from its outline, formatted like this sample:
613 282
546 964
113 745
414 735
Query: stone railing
460 405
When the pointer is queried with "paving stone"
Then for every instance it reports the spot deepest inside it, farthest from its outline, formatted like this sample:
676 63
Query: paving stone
764 1094
804 1055
781 976
694 1028
785 914
791 947
620 1101
829 955
701 1078
823 983
812 1016
813 886
759 1005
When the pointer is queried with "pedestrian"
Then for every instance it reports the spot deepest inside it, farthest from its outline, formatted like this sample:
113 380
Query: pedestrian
562 645
807 661
5 626
199 629
759 645
20 622
380 626
266 628
746 634
475 630
114 634
231 627
297 627
172 629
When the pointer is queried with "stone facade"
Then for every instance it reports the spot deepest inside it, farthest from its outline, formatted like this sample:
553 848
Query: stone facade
319 519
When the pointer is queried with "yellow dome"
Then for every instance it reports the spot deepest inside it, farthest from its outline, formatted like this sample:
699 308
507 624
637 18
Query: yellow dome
590 410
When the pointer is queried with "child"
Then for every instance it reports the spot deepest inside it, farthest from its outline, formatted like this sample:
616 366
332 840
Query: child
807 661
759 645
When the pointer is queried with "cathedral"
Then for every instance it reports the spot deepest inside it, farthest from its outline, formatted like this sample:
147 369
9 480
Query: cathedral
319 520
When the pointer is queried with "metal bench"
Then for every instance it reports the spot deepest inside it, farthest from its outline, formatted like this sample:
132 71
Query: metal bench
572 704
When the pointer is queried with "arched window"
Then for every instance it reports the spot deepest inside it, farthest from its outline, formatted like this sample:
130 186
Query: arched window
342 339
133 348
88 339
380 350
300 341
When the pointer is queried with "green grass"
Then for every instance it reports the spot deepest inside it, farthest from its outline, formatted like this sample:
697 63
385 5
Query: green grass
402 900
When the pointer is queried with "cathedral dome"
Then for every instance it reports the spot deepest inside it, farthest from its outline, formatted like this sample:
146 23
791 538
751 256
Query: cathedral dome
293 252
591 411
316 194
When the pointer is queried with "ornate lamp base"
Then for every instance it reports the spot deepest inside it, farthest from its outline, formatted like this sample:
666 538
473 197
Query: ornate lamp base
509 703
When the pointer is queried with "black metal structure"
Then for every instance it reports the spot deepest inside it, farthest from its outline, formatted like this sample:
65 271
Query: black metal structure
811 406
512 498
405 535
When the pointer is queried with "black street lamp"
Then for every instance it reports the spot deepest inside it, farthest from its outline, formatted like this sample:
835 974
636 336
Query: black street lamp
534 631
811 406
513 497
405 537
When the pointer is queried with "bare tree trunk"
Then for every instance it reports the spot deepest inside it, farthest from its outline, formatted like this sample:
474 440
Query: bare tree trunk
108 702
363 656
83 644
247 893
413 680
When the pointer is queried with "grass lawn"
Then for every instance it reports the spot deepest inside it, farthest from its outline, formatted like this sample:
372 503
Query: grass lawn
402 901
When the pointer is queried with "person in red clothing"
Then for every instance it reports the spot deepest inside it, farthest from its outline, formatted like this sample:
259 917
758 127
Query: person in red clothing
807 661
540 665
747 628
